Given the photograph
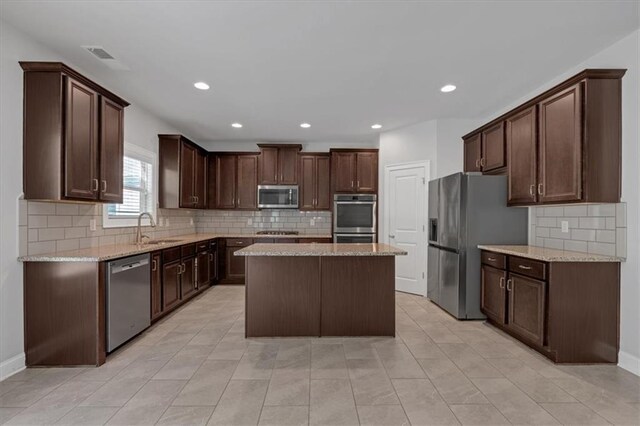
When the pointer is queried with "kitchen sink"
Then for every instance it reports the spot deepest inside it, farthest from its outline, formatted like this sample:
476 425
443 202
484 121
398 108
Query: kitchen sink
165 241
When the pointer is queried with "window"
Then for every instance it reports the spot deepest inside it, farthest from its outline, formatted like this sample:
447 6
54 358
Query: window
138 194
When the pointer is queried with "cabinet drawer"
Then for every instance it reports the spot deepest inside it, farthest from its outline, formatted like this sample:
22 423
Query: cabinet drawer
494 259
528 267
169 255
188 250
239 242
202 246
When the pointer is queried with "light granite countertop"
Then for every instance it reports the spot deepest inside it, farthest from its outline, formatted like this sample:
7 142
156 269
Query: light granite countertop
549 255
102 253
320 250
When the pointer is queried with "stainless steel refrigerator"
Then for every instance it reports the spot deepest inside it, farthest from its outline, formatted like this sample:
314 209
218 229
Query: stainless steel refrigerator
466 210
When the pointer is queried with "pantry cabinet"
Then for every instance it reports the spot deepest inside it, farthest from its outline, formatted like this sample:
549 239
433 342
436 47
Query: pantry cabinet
563 146
315 181
73 136
182 173
354 170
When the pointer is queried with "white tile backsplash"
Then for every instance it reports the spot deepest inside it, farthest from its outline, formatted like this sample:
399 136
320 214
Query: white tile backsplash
593 228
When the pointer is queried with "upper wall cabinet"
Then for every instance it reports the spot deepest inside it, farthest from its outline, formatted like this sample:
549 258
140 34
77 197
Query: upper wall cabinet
315 181
563 146
278 164
354 170
183 173
235 177
73 136
485 151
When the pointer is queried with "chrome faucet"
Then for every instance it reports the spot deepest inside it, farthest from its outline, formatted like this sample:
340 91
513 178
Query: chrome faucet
139 235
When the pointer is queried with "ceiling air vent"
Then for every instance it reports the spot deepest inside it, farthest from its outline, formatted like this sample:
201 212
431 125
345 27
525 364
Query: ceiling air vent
99 52
106 58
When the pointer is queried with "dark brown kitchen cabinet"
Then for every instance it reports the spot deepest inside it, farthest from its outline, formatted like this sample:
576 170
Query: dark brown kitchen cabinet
214 274
171 284
233 270
278 164
73 136
226 165
493 148
493 297
315 182
527 311
111 149
204 269
183 173
156 285
563 146
561 309
472 153
246 183
560 145
354 170
236 181
188 283
521 157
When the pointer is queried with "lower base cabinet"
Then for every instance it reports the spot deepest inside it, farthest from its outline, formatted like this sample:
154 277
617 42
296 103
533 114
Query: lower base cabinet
188 286
156 285
568 311
171 285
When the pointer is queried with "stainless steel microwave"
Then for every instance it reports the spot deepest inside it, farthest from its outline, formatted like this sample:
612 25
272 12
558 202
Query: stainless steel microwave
277 196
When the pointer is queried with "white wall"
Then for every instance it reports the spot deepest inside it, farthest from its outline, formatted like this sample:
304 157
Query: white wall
623 54
141 129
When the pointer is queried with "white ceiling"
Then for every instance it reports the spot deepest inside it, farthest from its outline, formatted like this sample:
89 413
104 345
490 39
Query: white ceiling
341 66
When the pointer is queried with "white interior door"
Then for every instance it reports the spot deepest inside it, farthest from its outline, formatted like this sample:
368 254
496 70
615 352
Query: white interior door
406 225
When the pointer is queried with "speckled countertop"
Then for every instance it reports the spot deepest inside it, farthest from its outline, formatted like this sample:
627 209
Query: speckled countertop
549 255
320 250
102 253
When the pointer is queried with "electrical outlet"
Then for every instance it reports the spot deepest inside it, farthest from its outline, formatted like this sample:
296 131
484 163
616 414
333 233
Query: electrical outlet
249 221
564 224
312 222
92 224
161 222
191 221
166 222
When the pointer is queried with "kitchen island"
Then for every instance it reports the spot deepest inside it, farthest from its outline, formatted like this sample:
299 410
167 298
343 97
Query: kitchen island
320 289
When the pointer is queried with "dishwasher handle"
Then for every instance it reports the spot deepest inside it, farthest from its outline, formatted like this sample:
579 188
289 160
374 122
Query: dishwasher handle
128 266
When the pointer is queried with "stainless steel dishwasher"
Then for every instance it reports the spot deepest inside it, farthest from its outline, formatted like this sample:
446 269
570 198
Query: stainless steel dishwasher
128 299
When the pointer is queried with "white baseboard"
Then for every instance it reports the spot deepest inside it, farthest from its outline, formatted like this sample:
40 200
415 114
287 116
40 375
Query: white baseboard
629 362
12 366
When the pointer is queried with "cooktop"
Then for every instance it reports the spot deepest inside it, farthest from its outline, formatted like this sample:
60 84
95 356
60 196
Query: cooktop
277 232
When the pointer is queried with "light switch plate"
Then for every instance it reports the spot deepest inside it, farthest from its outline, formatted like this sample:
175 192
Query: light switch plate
166 222
191 221
312 222
564 225
92 224
161 222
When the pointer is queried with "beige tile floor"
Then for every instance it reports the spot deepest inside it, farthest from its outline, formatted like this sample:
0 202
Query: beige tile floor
195 367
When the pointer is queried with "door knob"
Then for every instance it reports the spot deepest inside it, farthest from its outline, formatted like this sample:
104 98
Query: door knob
392 236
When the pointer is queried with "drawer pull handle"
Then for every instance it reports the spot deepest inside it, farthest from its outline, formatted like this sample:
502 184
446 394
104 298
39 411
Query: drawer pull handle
501 282
491 259
526 268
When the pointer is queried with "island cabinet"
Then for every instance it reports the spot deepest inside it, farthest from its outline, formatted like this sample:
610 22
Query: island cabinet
73 136
278 164
354 170
568 311
563 146
182 173
315 181
235 179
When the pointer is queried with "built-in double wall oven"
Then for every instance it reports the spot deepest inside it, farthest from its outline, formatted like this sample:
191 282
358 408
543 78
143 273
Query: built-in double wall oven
354 218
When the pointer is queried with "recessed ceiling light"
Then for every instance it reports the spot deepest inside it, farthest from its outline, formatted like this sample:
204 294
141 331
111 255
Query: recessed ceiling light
448 88
236 125
201 85
377 126
305 125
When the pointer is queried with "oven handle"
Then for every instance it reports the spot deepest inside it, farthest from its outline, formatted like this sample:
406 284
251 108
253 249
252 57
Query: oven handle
355 202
